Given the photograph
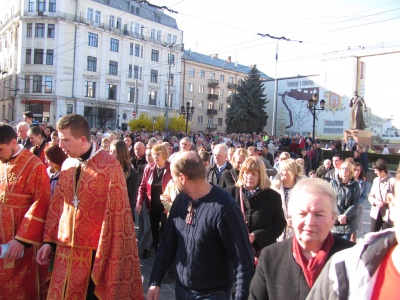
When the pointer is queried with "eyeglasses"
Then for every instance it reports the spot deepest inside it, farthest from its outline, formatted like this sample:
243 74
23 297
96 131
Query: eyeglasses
345 169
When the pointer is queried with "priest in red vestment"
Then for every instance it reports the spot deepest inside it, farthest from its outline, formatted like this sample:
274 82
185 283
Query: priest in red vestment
90 224
24 201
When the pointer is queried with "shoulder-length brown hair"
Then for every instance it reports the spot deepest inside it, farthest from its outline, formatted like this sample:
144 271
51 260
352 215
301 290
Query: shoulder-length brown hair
256 165
122 156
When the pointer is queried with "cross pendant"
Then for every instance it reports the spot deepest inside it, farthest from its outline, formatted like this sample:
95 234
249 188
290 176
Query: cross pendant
75 202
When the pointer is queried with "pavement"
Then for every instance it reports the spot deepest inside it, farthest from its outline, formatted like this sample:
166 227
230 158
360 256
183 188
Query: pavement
168 290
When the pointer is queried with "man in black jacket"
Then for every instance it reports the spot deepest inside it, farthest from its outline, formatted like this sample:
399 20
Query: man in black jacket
23 139
214 172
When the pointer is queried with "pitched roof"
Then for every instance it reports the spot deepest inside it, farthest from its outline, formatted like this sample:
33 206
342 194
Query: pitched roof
219 63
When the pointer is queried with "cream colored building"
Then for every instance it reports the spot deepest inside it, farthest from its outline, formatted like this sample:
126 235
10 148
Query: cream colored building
105 59
208 84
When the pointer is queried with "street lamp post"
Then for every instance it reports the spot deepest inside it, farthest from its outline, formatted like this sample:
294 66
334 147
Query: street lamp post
312 106
170 63
187 111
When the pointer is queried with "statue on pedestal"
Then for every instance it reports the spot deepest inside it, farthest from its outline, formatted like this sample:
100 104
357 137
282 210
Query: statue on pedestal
357 105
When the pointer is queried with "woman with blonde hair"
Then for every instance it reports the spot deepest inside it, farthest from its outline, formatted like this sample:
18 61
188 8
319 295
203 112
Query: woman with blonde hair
289 175
261 206
231 151
230 177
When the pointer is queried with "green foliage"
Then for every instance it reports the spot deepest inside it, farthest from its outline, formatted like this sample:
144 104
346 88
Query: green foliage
144 121
247 111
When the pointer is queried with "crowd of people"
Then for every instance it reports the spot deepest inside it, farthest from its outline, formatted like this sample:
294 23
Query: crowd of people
243 216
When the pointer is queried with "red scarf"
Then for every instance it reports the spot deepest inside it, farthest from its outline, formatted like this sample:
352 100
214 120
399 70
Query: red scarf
313 267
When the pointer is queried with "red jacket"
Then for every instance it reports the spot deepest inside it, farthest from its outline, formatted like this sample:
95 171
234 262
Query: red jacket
147 180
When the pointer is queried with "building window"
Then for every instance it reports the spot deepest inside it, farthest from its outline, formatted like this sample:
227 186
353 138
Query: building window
114 45
97 16
38 57
41 5
37 84
154 76
27 84
137 28
154 55
219 121
221 92
202 74
48 84
152 98
171 79
199 119
137 72
29 30
231 79
222 78
39 30
28 59
112 91
191 72
90 89
131 49
137 50
153 33
220 107
158 35
113 68
174 39
49 57
132 94
130 71
169 39
52 5
93 39
171 58
70 109
201 89
51 30
190 87
31 6
111 21
170 100
89 15
201 104
212 76
92 63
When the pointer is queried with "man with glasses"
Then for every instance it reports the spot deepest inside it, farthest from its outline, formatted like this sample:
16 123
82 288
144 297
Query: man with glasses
206 236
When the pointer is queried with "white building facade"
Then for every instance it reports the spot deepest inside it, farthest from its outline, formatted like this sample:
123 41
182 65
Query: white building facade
107 60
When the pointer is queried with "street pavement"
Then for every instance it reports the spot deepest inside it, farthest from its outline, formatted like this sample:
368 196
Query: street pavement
168 290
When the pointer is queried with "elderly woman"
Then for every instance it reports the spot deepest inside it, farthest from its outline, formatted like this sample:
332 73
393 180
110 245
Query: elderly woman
290 173
288 270
230 177
382 185
348 199
155 179
39 143
261 206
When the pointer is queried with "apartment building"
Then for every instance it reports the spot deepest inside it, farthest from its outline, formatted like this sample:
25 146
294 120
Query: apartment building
108 60
208 84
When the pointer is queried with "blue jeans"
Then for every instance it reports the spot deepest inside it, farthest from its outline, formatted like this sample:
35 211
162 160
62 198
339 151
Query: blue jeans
183 293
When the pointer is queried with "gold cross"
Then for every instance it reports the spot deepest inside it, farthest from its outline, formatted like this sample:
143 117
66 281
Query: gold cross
2 179
3 198
11 177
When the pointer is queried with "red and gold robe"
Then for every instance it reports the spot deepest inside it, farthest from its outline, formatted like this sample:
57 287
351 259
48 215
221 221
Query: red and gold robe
101 224
24 201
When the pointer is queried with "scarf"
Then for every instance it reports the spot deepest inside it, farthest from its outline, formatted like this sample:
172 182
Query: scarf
313 267
250 194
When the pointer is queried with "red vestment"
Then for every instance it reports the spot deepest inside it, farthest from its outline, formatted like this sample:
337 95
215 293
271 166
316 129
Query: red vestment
101 224
24 201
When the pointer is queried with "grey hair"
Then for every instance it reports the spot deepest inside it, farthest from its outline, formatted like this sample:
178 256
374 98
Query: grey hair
21 124
314 186
221 146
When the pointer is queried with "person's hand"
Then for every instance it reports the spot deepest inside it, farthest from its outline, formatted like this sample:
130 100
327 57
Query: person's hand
153 293
138 208
342 219
378 203
15 249
252 237
43 255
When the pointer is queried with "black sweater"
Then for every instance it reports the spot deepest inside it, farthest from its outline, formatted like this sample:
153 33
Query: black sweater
211 251
264 215
278 276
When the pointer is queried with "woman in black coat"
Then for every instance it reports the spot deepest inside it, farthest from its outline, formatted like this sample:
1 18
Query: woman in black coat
261 206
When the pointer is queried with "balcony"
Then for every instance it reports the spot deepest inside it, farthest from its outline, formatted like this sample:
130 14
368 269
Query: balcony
232 85
212 112
212 126
212 97
213 82
229 99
